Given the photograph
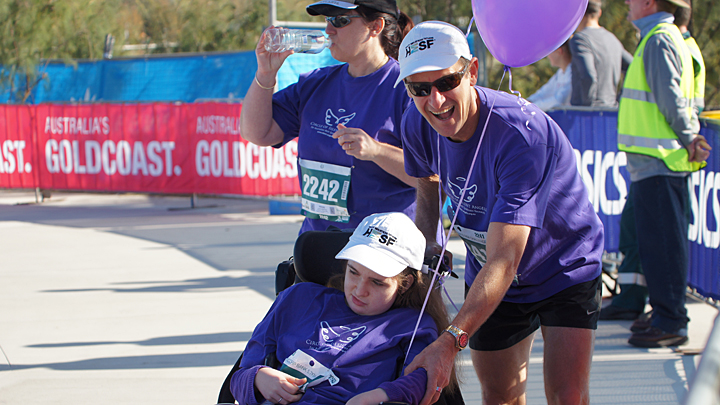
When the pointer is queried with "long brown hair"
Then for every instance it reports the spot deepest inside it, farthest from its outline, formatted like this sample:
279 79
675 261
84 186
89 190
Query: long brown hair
394 31
413 286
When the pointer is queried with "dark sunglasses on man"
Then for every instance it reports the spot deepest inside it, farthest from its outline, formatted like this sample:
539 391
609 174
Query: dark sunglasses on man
340 21
443 84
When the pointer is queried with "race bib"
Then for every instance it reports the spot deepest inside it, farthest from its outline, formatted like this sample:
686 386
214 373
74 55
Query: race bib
325 190
302 365
475 241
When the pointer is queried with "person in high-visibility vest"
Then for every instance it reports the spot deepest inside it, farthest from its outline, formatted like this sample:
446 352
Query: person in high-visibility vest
630 303
657 128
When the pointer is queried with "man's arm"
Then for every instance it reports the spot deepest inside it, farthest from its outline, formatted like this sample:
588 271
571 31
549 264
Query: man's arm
626 60
427 213
663 67
505 247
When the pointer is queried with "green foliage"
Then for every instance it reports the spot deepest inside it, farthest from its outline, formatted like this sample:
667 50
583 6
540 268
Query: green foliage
705 27
33 31
200 25
457 12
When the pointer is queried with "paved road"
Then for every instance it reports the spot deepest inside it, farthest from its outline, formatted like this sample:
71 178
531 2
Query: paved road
141 300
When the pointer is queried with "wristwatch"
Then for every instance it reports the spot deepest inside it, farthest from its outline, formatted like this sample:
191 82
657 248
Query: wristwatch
461 337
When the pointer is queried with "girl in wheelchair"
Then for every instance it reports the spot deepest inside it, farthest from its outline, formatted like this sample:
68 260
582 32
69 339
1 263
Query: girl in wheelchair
349 344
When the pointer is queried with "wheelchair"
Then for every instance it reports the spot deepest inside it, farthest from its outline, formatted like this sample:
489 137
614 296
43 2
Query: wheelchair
314 261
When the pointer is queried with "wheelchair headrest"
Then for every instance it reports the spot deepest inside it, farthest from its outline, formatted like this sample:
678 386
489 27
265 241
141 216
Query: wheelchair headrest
314 254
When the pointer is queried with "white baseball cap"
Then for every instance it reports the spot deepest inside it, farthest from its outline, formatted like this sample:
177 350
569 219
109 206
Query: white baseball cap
429 46
386 243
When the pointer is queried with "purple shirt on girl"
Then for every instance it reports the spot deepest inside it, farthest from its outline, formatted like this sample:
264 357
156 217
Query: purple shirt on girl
525 174
362 351
312 108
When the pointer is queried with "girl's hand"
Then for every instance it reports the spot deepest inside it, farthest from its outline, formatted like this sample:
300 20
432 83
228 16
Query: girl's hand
278 387
373 397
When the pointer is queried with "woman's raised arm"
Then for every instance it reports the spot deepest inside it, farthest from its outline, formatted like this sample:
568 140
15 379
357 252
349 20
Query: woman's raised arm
256 122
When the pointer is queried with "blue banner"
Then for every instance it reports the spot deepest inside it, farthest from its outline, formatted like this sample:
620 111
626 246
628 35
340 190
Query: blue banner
593 134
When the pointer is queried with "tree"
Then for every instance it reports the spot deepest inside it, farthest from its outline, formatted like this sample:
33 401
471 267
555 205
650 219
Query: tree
35 30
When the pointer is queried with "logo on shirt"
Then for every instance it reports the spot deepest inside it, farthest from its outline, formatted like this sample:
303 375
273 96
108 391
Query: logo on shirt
419 45
333 120
337 339
329 126
456 191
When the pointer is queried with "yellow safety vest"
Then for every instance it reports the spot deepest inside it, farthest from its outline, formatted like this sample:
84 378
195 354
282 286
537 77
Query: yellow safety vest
642 128
699 63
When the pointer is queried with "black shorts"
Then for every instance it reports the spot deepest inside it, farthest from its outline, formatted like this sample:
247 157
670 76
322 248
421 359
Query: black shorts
574 307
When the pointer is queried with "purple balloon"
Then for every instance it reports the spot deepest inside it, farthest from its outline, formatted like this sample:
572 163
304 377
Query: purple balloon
521 32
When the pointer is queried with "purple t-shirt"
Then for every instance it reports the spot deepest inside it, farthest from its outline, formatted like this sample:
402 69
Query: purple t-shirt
312 108
525 174
362 351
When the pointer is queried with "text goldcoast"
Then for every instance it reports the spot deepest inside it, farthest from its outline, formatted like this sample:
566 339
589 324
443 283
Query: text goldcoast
92 156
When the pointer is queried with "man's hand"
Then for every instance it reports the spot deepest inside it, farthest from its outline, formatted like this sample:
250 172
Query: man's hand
278 387
437 359
699 150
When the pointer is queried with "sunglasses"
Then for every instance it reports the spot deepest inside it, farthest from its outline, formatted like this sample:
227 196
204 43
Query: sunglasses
443 84
340 21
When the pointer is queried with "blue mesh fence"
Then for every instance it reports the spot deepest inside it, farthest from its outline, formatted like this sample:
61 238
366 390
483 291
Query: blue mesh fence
185 78
175 77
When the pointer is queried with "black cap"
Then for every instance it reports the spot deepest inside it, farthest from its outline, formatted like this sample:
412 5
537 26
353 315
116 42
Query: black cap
337 7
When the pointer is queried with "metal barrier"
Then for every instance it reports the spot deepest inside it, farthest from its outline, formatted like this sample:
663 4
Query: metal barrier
705 387
54 146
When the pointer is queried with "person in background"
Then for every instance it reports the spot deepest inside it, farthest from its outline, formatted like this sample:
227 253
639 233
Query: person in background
598 58
556 92
657 129
630 303
682 20
346 117
529 264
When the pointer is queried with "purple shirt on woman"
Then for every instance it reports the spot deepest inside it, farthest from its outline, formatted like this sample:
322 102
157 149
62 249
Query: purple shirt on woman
312 108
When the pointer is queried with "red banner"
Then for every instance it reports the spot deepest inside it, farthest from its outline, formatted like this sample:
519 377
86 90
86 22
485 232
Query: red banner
18 160
155 148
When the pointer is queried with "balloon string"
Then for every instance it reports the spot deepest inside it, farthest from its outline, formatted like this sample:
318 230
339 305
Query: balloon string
467 33
521 101
446 237
509 72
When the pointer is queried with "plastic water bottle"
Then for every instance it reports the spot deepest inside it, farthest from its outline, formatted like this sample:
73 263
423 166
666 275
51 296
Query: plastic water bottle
299 41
